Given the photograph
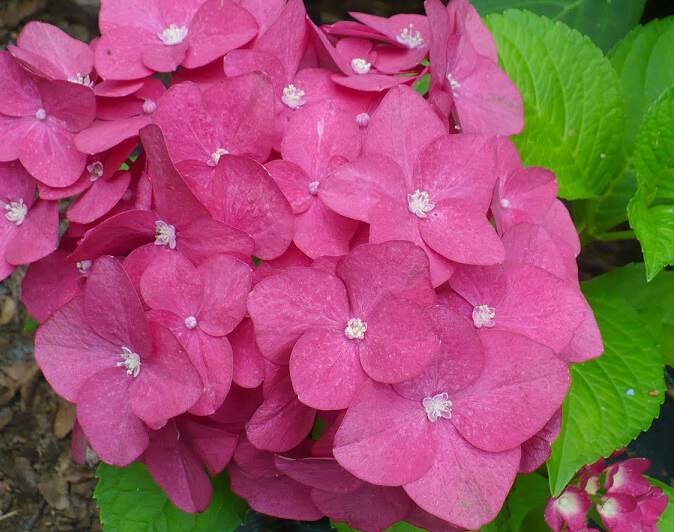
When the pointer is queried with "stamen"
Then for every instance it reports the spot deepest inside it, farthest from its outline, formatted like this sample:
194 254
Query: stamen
41 114
293 97
313 187
81 79
149 106
131 361
165 234
173 35
484 316
438 406
363 120
360 66
16 211
215 156
191 322
420 203
410 38
355 329
453 83
505 203
95 170
84 266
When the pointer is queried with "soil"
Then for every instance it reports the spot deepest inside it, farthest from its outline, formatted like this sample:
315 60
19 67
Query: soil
40 488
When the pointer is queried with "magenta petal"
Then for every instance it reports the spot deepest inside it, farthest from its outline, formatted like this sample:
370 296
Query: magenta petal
396 267
96 202
161 58
104 411
330 380
384 438
293 182
119 52
72 105
367 508
586 343
167 384
399 342
212 358
465 486
103 134
321 232
495 413
286 305
249 200
117 89
561 228
37 236
321 473
287 38
370 82
212 444
177 470
69 352
223 275
281 422
14 132
537 449
19 95
218 27
220 239
460 231
248 361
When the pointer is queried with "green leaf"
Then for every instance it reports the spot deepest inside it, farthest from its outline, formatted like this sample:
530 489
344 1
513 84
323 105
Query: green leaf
130 501
605 21
523 510
423 85
574 110
613 398
654 301
402 526
667 518
651 211
30 325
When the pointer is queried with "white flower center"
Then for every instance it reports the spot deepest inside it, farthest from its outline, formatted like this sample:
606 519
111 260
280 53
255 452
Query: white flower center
293 97
81 79
453 83
438 406
420 203
41 114
215 156
609 508
483 316
149 106
505 203
313 187
355 329
191 322
173 35
165 234
592 486
16 211
363 120
131 361
568 504
410 38
360 65
95 170
83 266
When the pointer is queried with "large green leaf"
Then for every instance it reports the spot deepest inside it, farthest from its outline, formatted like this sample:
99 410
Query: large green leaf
574 110
130 501
523 510
613 398
666 522
651 211
605 21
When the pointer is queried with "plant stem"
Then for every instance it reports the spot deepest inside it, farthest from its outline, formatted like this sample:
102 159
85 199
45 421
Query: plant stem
617 235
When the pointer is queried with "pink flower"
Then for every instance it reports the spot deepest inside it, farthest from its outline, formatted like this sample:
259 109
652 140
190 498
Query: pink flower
49 52
568 511
415 182
178 221
39 119
369 321
317 139
100 352
166 35
537 449
28 225
628 477
189 301
451 436
485 99
248 367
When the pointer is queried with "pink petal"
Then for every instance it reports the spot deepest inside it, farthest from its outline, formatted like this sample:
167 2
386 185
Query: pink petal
286 305
96 202
293 182
19 95
324 474
248 361
177 470
243 61
370 82
281 422
399 342
72 105
167 384
495 413
393 26
561 228
472 25
161 58
218 27
223 275
330 381
465 486
220 239
384 438
401 128
117 89
322 232
459 230
586 343
37 236
119 52
69 352
396 267
249 200
14 133
103 135
537 449
266 12
104 411
212 444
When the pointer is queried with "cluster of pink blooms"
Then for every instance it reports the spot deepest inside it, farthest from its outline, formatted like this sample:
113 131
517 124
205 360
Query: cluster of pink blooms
289 236
621 494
